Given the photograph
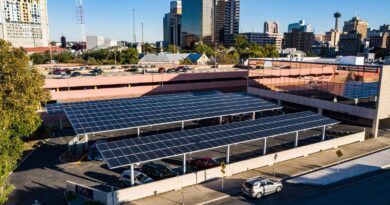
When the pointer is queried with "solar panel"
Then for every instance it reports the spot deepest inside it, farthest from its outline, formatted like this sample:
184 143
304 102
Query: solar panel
103 116
59 107
125 152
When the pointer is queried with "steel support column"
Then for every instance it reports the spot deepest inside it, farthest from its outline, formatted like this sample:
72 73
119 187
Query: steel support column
323 133
184 164
265 146
228 155
182 125
138 131
296 139
253 115
220 120
132 174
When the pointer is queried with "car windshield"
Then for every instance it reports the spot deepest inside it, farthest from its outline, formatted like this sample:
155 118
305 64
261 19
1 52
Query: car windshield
248 184
141 177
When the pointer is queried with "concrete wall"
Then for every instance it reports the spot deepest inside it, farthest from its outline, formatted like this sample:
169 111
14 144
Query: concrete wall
316 103
101 196
137 192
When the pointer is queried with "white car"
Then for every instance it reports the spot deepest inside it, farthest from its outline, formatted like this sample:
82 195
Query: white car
258 187
139 178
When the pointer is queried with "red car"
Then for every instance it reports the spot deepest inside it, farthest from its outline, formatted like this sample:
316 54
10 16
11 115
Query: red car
203 163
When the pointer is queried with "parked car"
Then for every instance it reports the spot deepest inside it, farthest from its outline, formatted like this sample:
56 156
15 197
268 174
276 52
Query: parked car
139 178
258 187
202 163
93 153
179 69
96 72
158 171
75 74
161 70
171 70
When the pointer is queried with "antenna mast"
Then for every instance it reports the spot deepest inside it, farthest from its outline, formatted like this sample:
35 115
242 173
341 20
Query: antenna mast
134 34
80 20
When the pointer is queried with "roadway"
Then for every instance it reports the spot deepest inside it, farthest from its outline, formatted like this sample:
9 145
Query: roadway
368 189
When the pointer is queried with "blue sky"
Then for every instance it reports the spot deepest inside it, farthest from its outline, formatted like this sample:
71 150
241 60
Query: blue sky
113 18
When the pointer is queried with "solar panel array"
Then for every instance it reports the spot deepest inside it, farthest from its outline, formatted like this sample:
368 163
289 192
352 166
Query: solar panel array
126 152
361 90
60 107
116 115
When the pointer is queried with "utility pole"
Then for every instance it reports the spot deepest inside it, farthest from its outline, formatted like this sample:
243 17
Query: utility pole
142 42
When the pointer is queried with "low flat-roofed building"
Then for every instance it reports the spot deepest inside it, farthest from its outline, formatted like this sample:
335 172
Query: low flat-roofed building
263 39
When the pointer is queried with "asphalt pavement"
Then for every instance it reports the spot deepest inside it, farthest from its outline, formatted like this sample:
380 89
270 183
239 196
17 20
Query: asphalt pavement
371 189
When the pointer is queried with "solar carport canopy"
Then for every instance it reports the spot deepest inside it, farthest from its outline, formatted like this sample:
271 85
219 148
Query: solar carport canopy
122 114
138 150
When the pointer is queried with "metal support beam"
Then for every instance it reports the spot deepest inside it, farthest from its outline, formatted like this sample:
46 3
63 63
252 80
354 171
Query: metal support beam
220 120
265 146
184 164
182 125
323 133
296 139
228 155
132 174
253 115
138 131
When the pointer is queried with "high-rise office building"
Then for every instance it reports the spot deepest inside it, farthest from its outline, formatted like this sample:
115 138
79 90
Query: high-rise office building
263 39
172 24
350 44
271 27
210 21
380 40
301 26
24 23
197 22
63 42
300 40
358 25
232 21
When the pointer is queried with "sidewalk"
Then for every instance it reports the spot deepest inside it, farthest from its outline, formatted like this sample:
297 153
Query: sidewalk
353 168
211 191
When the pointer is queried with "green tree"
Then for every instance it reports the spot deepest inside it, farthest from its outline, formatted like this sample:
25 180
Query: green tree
64 57
204 49
241 43
148 48
185 61
172 49
21 94
129 56
40 58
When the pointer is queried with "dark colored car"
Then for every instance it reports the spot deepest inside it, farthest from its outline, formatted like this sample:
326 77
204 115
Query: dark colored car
75 74
171 70
161 70
203 163
97 72
158 171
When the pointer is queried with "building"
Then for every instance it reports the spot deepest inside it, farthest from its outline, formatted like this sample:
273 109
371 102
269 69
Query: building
333 37
358 25
350 44
172 24
271 27
231 21
301 26
384 28
99 42
63 42
348 92
33 50
199 24
380 41
24 23
174 58
264 39
298 39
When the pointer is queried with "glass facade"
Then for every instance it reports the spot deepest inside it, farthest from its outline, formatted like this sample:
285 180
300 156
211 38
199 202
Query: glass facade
347 84
197 21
